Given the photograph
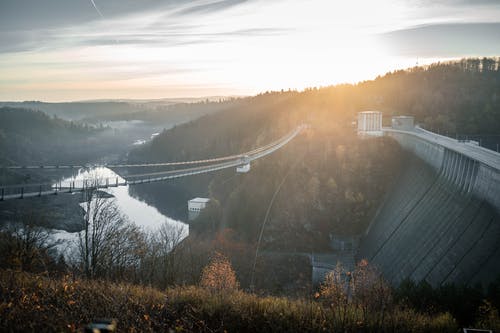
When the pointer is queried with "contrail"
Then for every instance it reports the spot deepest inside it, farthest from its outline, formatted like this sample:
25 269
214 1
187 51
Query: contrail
100 14
97 9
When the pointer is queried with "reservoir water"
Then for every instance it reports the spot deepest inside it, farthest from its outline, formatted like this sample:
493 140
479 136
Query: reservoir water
143 215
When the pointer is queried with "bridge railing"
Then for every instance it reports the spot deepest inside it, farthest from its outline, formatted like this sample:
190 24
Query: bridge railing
78 185
21 191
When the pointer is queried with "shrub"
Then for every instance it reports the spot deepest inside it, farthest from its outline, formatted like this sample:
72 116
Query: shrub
361 296
218 276
31 303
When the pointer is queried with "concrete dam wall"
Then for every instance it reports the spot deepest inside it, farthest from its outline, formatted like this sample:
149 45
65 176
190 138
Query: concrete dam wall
440 222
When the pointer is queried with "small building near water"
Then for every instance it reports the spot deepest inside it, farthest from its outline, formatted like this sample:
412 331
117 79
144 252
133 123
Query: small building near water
195 206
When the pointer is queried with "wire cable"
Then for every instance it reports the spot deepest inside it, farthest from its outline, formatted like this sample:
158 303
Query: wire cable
268 211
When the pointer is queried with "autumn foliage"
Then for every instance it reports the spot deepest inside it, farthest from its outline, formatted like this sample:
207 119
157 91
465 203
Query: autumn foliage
357 296
218 276
34 303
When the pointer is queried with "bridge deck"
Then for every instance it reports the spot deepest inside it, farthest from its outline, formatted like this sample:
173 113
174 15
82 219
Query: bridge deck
21 191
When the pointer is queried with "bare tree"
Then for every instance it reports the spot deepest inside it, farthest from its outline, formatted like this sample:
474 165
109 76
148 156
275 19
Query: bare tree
125 251
370 292
169 238
111 246
361 291
27 245
335 292
102 225
163 263
194 252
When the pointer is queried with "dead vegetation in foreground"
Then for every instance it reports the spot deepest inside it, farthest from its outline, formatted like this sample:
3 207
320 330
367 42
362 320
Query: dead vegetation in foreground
31 302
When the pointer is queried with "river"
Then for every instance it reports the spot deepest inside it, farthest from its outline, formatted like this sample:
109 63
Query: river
136 211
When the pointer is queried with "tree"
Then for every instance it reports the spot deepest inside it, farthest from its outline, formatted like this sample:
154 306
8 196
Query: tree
27 245
165 258
107 239
362 290
218 276
335 293
370 292
126 249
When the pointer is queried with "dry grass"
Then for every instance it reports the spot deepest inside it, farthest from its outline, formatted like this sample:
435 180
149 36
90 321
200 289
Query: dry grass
34 303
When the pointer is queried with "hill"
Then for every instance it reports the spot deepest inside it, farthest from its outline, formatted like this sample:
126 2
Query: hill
459 97
76 110
28 136
333 181
345 176
164 110
331 172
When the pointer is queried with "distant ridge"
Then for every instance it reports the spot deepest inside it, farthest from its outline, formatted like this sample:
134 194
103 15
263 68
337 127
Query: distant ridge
168 100
173 100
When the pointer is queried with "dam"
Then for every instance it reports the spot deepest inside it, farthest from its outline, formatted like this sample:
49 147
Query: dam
440 220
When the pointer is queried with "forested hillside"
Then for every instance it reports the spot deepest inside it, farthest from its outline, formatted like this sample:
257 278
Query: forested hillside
77 110
28 136
461 97
162 113
158 111
334 179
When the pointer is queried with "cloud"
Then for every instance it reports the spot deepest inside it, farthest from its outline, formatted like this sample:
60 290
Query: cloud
253 45
444 40
27 15
460 2
211 6
48 24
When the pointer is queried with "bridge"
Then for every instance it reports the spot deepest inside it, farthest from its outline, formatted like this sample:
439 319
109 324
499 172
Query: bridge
21 191
440 220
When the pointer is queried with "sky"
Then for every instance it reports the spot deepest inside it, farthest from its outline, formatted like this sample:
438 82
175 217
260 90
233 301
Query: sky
67 50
